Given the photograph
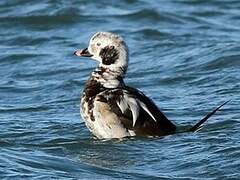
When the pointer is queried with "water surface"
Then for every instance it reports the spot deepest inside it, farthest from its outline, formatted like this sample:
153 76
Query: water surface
185 55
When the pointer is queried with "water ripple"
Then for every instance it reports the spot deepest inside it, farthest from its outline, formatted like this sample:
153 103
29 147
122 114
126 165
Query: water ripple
183 54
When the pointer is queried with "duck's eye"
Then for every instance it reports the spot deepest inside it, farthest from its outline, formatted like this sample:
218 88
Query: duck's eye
98 44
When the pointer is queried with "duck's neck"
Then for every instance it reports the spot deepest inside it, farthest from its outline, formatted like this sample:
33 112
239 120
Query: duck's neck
103 78
107 77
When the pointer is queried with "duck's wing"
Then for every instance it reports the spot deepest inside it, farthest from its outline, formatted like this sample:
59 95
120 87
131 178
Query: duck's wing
137 112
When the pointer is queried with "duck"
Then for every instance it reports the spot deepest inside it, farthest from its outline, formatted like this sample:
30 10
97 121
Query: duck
110 108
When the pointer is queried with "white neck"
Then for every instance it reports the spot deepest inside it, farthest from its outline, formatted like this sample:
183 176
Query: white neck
109 77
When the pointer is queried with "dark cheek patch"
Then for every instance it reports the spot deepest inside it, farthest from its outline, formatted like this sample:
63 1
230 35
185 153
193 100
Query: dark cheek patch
109 55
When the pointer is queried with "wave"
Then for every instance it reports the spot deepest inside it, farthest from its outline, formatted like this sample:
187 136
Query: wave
25 109
151 33
224 62
16 58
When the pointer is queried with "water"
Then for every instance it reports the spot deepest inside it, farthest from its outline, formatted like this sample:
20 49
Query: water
185 55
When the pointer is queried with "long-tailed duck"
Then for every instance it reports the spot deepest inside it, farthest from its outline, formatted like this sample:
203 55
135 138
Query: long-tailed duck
111 109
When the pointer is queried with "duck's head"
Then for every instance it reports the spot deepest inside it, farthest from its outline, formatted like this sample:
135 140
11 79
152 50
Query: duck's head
109 49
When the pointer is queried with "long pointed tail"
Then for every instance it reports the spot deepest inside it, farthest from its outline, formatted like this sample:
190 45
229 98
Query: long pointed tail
199 125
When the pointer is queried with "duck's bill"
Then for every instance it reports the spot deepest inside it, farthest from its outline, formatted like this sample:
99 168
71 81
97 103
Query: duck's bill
83 53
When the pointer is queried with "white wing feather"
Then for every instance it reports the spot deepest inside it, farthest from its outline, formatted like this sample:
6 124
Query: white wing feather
146 109
128 102
134 108
123 104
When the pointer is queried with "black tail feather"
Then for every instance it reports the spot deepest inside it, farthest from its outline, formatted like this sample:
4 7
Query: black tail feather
198 126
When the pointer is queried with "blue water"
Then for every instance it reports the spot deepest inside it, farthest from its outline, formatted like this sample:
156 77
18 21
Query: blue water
185 55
